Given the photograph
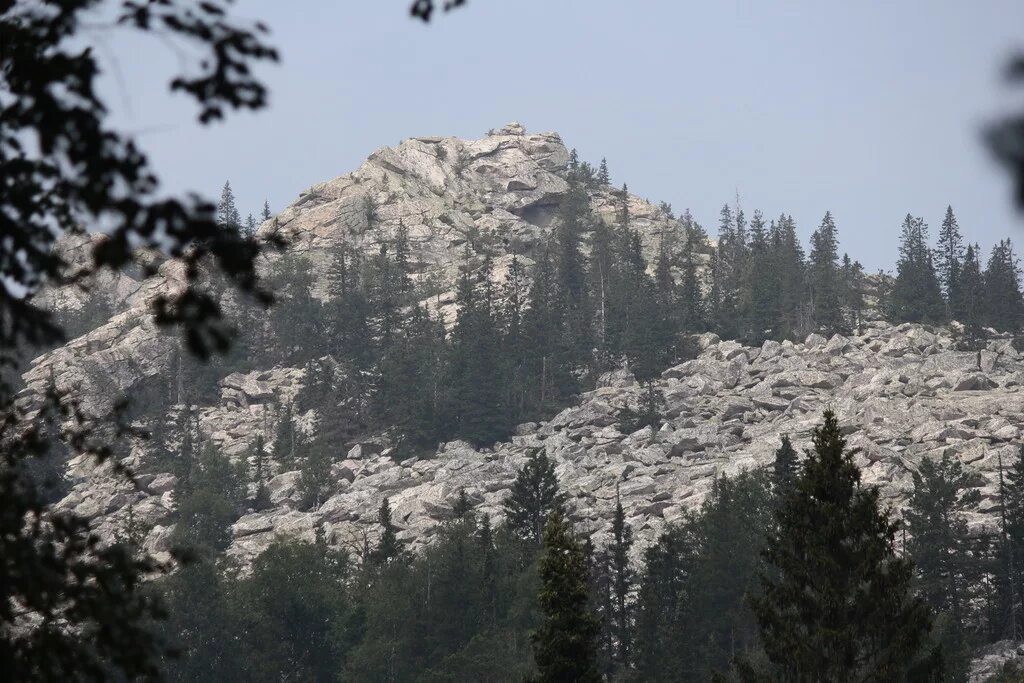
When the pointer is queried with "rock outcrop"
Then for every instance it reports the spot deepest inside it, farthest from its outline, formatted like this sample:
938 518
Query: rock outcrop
903 393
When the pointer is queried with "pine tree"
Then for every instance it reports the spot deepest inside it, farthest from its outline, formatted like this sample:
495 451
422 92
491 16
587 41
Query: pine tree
1004 306
761 305
824 277
1011 484
916 295
250 226
787 264
474 386
286 439
389 548
949 256
315 474
602 173
258 460
535 496
622 584
785 469
853 291
265 215
837 604
227 213
564 644
940 548
692 313
968 305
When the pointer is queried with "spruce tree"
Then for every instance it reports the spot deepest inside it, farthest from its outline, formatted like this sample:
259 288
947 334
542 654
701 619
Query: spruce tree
602 173
690 299
535 496
564 645
1011 484
837 604
622 584
940 548
787 264
286 439
824 277
1004 305
916 295
474 385
258 462
949 255
968 305
227 213
250 226
785 469
265 215
315 474
760 309
389 548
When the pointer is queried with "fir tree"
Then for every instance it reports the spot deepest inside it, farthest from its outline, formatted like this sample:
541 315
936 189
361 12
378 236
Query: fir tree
265 215
1004 306
480 417
916 295
968 305
940 548
258 460
565 643
785 469
227 213
824 277
250 226
315 474
535 496
389 548
949 256
286 439
837 604
622 583
787 264
1011 485
602 173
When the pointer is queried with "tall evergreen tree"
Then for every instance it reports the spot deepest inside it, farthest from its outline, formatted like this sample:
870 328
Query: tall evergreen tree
389 548
475 392
565 643
227 213
1011 484
1004 306
940 548
916 294
258 463
785 469
622 584
968 304
787 262
949 256
265 214
837 604
535 496
824 277
250 226
602 173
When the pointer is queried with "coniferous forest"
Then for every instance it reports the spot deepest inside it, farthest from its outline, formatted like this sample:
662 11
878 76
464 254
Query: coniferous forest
121 515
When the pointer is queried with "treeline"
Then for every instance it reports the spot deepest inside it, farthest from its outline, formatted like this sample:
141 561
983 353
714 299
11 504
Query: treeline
792 572
522 347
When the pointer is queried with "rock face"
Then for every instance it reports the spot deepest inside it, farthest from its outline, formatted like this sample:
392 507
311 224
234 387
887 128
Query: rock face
903 393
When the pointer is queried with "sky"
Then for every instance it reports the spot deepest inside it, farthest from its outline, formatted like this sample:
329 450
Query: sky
870 110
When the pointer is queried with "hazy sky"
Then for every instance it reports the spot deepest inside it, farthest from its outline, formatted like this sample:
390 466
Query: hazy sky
868 109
